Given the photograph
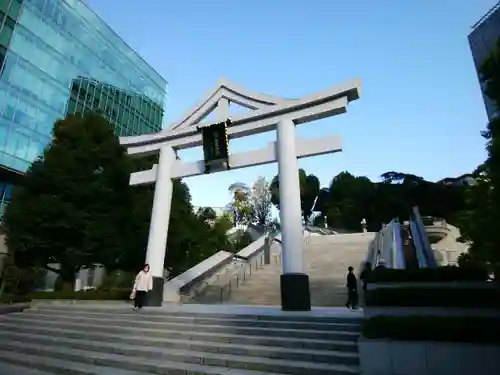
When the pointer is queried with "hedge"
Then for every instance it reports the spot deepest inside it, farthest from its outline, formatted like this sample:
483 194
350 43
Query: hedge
12 298
433 328
89 295
438 274
433 297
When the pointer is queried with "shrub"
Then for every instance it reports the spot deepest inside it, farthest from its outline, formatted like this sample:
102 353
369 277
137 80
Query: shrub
89 295
433 328
13 298
433 297
438 274
21 280
117 280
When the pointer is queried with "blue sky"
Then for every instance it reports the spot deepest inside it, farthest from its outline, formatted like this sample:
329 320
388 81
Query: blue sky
420 112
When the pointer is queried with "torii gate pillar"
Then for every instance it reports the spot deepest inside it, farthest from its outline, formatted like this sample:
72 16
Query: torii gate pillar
158 227
295 293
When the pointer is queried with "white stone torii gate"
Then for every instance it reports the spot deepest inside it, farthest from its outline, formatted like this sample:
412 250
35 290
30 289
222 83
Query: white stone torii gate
267 113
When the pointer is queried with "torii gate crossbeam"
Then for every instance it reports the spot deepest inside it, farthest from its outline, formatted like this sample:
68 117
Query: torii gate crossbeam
268 113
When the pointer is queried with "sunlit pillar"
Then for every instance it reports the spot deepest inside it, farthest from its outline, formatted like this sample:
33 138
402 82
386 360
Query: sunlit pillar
295 293
158 228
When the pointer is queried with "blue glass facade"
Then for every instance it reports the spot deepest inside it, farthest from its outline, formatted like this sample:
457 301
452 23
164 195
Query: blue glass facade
482 40
45 47
131 113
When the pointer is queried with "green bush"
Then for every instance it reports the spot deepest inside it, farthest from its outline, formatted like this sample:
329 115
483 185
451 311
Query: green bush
89 295
117 280
20 280
433 297
13 298
433 328
438 274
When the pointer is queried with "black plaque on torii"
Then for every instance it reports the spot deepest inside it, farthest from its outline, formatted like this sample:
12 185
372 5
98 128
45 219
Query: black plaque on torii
215 146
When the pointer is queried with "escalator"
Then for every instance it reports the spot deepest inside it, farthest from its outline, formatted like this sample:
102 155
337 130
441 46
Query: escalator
409 249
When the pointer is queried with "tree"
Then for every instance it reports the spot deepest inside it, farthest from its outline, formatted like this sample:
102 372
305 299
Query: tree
349 199
72 207
261 202
481 219
206 213
191 238
224 222
241 204
309 190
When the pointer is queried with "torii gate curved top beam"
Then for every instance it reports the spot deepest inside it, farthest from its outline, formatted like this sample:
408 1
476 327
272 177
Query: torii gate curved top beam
229 91
266 112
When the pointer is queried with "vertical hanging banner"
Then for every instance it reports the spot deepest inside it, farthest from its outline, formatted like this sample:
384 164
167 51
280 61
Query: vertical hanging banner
215 146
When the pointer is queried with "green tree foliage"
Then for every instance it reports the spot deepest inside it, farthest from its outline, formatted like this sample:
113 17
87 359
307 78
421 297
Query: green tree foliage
72 206
252 205
206 213
481 220
224 222
75 208
349 199
261 202
309 190
241 204
191 238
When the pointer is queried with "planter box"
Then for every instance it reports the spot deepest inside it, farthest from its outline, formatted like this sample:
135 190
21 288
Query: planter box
372 311
441 285
387 357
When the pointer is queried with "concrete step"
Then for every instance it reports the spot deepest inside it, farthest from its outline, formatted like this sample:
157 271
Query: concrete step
215 311
145 325
181 350
29 362
160 360
221 313
8 369
166 338
343 325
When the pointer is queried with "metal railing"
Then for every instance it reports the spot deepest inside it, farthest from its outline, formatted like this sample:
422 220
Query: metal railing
243 273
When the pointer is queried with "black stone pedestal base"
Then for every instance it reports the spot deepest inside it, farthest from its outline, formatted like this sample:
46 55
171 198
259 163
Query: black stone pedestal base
155 296
295 295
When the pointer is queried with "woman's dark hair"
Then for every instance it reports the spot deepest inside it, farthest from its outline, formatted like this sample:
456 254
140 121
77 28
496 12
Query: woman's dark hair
146 265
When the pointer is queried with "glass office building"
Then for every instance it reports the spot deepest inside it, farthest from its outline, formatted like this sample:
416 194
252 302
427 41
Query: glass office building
482 40
129 112
58 57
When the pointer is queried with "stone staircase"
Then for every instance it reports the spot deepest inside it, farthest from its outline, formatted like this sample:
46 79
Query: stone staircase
92 340
327 259
220 288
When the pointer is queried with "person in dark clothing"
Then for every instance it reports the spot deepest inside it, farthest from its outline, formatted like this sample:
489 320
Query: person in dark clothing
365 274
352 290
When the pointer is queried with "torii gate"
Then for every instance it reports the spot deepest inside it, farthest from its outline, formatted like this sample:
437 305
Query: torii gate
267 113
